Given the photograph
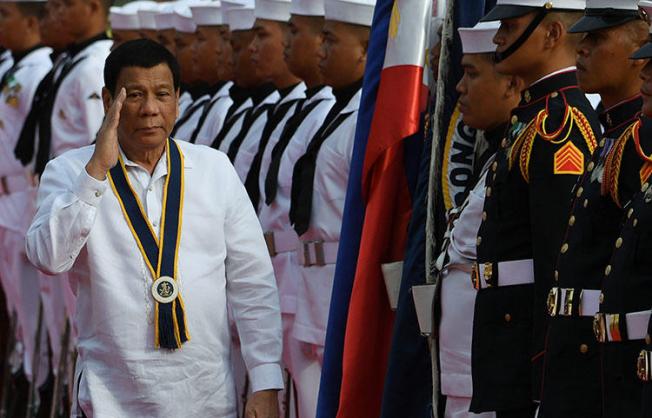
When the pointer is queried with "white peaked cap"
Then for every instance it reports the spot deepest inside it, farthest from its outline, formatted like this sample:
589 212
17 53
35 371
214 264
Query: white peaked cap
183 21
647 7
164 19
307 7
239 15
357 12
479 39
122 19
556 4
612 4
278 10
207 13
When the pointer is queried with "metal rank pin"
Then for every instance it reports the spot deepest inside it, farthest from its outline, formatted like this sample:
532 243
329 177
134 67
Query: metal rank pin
165 289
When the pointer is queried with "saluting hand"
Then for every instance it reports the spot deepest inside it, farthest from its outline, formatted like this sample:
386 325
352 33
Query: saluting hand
106 153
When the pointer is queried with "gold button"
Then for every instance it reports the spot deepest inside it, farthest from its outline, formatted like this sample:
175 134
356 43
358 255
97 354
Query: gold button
645 186
630 212
591 166
571 221
601 298
635 223
586 203
494 166
508 317
488 193
514 119
564 248
580 191
584 348
619 242
556 275
484 216
478 241
554 94
648 340
527 96
607 270
504 143
602 143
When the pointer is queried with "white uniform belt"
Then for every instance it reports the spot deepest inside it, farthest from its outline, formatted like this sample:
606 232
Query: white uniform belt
608 327
561 301
510 273
281 242
15 183
317 253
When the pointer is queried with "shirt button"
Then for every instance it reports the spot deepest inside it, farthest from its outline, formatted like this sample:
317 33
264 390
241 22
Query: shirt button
645 186
571 221
494 166
607 270
630 212
478 241
635 223
514 119
98 193
584 348
484 216
508 318
150 188
602 143
580 191
556 275
591 166
564 248
619 242
586 203
488 193
554 94
601 298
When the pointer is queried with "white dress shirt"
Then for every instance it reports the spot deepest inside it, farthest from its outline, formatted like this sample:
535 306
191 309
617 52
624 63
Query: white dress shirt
78 110
275 216
222 259
331 179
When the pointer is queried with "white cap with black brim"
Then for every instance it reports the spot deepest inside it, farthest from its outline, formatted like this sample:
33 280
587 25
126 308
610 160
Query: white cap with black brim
645 51
603 14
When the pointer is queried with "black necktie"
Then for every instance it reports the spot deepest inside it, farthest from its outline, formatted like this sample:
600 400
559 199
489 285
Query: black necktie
45 114
250 117
271 181
230 120
202 119
303 176
199 104
251 181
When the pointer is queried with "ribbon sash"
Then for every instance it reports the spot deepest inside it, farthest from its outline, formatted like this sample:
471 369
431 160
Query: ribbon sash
160 255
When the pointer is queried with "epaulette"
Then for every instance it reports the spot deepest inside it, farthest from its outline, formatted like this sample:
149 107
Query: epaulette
613 163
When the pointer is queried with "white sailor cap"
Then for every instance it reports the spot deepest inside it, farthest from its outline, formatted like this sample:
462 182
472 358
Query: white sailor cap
122 19
147 17
507 9
357 12
602 14
208 13
164 19
646 50
479 38
239 15
307 7
278 10
183 21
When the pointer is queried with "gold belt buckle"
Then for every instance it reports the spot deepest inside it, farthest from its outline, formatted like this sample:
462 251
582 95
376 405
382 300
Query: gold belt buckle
568 302
306 254
320 260
271 245
599 328
475 276
553 297
643 366
488 273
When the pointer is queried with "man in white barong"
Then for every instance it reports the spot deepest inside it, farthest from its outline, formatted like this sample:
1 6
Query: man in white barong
169 238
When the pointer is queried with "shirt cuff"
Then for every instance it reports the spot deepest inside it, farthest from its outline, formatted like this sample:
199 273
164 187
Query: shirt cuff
89 189
266 377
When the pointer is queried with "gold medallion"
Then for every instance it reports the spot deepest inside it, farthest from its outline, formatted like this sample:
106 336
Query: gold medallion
165 289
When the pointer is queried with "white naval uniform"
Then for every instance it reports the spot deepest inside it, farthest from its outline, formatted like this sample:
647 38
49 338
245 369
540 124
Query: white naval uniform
222 259
330 184
248 147
274 219
78 110
6 61
189 120
185 100
457 304
20 280
219 106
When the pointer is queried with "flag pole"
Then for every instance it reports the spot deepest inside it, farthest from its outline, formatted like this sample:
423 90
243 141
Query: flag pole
433 186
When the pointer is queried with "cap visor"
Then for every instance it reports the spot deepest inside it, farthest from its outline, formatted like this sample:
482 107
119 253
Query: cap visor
594 23
507 11
644 52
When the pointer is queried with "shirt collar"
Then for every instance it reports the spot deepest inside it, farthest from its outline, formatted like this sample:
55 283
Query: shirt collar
622 113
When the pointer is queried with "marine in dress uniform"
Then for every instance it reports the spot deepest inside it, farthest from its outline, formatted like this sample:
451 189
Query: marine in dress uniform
281 154
154 338
622 323
20 33
548 143
213 54
571 383
320 176
481 89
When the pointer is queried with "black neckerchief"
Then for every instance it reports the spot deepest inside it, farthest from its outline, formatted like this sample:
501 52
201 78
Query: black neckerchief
79 47
18 56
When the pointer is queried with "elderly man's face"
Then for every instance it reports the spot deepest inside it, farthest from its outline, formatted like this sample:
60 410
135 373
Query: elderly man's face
150 109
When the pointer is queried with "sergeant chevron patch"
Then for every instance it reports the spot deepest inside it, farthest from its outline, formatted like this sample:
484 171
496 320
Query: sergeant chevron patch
569 160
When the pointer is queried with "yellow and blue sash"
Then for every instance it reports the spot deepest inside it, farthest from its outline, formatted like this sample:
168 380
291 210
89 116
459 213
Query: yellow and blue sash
160 255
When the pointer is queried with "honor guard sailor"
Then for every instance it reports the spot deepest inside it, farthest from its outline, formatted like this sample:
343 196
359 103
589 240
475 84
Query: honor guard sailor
167 248
612 31
213 57
320 176
548 143
486 101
